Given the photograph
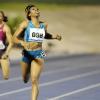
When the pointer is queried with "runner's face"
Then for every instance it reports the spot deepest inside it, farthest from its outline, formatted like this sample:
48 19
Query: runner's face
1 17
34 12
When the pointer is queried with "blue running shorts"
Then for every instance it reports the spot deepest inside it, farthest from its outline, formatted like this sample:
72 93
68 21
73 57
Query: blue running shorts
28 56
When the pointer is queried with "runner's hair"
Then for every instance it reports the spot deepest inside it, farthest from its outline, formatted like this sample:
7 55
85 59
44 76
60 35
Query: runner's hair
27 10
5 18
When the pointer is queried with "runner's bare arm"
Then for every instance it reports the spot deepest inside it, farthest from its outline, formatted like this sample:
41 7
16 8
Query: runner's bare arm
19 31
9 38
52 36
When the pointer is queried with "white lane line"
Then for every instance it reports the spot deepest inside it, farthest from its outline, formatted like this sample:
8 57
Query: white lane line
51 83
64 69
76 91
44 73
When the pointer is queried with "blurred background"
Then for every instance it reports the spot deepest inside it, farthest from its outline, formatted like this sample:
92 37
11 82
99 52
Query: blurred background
72 66
78 21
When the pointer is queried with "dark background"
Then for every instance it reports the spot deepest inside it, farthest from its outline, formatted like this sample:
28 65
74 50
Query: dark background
57 1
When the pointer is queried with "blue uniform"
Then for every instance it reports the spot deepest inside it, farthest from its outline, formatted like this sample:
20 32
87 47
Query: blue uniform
33 34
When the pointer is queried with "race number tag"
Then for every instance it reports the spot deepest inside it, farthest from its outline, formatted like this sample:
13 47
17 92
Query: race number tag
36 34
2 46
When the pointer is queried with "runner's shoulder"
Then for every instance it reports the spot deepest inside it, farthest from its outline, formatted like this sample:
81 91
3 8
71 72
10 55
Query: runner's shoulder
6 26
24 24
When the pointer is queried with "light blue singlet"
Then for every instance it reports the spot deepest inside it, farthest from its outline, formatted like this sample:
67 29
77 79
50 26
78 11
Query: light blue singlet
35 35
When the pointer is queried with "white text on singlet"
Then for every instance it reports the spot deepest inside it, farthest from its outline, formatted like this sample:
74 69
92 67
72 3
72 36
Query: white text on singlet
36 34
2 46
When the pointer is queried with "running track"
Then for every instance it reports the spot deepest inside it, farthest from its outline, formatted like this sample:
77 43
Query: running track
64 78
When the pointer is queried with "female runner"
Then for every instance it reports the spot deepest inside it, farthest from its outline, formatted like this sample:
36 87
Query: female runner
35 32
5 36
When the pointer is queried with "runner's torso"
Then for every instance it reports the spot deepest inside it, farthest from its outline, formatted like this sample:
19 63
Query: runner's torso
2 38
34 35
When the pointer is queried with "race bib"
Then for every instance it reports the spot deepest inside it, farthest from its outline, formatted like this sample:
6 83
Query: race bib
2 46
36 34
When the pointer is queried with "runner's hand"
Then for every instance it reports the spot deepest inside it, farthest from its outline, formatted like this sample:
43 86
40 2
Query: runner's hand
24 44
59 37
4 56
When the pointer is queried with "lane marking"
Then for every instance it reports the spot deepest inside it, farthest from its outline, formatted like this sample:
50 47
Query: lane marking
43 74
76 91
51 83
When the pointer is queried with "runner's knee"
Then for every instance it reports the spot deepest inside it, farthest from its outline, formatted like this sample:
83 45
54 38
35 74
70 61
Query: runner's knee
34 80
